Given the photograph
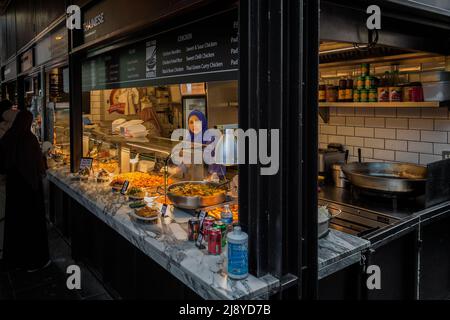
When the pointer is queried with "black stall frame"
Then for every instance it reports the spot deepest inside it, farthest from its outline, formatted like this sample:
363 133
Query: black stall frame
277 90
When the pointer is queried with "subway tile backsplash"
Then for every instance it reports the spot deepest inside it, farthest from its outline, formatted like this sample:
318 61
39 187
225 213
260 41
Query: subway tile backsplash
414 135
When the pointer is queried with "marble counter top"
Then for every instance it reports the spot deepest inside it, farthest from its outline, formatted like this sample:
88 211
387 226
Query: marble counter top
339 250
204 274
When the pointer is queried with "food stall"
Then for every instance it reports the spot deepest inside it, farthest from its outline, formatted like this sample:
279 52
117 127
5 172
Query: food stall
129 211
51 58
9 81
227 61
382 154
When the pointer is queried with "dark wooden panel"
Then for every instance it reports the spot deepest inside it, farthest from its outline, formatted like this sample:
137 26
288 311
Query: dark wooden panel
24 22
435 261
398 265
342 285
47 11
2 39
10 32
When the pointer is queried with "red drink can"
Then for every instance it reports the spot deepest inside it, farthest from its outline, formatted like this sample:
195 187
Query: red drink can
214 241
207 225
194 226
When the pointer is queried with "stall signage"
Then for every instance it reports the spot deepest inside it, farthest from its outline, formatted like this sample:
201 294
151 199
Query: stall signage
204 51
26 61
10 71
86 163
199 241
93 23
108 16
52 46
124 189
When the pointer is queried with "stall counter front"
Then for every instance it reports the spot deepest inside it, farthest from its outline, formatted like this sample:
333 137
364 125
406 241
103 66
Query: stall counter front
204 274
338 250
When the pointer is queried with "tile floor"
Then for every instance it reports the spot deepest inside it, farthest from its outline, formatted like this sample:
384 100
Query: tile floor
50 283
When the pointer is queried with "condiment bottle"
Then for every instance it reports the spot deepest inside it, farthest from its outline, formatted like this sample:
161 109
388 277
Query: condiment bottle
226 216
349 91
322 92
342 90
237 254
332 93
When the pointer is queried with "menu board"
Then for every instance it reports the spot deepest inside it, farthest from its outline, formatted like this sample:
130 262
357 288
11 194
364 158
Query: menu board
10 71
206 50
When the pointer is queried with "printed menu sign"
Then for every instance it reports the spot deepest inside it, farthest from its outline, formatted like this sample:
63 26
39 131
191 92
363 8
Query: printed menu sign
10 71
86 163
206 50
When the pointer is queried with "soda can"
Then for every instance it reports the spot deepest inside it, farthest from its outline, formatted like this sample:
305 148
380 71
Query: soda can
208 223
194 226
215 241
223 229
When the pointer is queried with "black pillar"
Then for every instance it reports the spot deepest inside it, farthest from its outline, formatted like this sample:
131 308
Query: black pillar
278 90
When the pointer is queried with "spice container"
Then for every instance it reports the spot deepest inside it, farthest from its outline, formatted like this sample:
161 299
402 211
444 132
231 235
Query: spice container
356 95
360 83
342 90
349 91
322 93
332 93
373 95
364 95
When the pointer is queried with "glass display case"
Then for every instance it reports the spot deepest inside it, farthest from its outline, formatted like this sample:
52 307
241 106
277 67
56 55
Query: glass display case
57 127
148 168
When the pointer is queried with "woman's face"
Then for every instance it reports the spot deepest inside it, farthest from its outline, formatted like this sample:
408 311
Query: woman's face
195 125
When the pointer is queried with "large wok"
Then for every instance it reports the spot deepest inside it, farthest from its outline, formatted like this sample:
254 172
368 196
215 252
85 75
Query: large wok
196 202
386 177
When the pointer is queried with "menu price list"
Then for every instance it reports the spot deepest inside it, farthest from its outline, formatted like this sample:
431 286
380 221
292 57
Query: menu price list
205 47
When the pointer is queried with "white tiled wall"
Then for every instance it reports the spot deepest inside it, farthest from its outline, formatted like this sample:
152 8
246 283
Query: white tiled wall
415 135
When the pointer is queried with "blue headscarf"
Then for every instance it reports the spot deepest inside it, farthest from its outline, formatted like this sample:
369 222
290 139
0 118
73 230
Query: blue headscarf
219 169
201 117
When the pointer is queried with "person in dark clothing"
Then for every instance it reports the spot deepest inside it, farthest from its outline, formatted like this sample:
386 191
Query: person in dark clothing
5 105
26 242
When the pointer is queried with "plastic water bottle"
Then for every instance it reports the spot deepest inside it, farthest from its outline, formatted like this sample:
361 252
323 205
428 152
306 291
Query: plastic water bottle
226 216
237 254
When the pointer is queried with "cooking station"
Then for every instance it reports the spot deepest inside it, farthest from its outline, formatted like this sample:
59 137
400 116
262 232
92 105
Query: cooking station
407 234
363 214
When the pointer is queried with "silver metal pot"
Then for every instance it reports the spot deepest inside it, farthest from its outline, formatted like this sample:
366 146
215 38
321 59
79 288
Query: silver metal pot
339 178
185 202
323 225
387 177
327 157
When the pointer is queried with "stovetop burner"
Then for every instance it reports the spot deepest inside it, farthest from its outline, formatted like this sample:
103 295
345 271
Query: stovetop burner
365 211
389 200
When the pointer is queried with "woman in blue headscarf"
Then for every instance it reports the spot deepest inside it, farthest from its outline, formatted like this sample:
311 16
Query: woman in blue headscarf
197 126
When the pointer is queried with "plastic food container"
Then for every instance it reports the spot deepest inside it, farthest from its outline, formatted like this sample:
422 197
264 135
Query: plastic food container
436 91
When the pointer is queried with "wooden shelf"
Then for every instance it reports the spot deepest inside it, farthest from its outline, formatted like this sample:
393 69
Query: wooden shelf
324 107
425 104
